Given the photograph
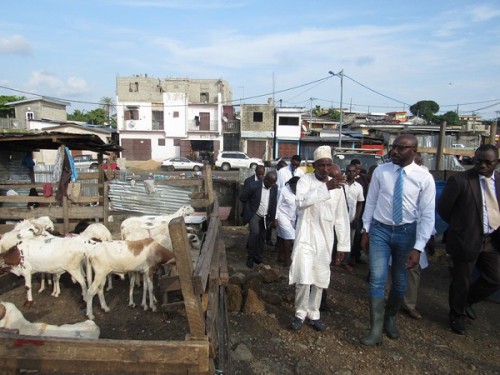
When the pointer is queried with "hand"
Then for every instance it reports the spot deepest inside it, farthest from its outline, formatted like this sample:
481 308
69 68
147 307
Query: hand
365 242
340 258
429 247
274 224
413 259
336 182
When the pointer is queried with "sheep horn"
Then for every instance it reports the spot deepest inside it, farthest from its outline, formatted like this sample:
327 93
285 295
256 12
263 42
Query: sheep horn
38 229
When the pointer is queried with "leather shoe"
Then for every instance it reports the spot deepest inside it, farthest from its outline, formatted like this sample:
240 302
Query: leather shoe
296 324
317 325
413 313
471 313
347 267
257 260
249 263
457 325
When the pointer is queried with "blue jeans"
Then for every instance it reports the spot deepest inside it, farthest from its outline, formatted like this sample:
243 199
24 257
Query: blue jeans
387 241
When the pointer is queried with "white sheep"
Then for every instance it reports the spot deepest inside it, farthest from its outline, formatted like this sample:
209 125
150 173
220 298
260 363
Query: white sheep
12 318
143 256
49 254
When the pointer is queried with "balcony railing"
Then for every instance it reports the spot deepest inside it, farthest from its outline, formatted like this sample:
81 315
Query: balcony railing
231 126
192 127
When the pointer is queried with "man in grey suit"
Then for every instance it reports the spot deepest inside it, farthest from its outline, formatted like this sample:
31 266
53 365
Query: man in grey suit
469 205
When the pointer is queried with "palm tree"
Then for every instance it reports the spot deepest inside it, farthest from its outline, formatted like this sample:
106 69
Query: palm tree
108 104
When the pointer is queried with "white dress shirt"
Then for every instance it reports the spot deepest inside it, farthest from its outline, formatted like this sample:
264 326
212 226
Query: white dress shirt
419 195
285 173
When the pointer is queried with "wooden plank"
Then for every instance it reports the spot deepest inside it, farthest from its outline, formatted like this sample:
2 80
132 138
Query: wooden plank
213 302
65 205
447 151
103 356
202 269
223 271
182 252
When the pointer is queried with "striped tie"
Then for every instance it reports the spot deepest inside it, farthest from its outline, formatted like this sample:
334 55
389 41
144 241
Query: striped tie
397 202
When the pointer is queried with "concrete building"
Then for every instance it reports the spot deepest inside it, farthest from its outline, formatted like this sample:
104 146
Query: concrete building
289 128
38 109
161 118
257 129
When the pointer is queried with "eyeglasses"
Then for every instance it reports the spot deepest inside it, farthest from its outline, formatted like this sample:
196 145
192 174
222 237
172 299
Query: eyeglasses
481 161
400 148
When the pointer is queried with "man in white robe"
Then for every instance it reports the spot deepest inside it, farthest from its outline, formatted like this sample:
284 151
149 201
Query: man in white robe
321 210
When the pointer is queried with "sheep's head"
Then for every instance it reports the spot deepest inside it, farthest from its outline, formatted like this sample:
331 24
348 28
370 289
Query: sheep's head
194 241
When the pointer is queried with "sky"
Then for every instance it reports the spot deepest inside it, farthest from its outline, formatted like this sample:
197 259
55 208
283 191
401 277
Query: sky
386 55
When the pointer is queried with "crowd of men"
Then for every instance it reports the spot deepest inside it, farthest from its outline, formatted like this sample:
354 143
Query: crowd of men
327 217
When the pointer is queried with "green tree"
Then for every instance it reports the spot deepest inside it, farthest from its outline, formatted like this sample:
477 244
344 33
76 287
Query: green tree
425 109
77 115
334 114
318 111
96 116
8 111
450 117
108 105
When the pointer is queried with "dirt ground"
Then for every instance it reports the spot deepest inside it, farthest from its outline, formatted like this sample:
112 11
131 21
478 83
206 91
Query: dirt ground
263 343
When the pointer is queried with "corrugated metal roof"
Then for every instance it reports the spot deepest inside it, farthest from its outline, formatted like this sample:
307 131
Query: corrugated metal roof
128 196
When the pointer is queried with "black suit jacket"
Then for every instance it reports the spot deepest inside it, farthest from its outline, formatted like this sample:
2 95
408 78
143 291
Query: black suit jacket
461 206
250 197
249 180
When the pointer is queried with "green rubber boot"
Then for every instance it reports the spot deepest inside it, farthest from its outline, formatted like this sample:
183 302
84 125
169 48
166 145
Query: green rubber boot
376 322
391 310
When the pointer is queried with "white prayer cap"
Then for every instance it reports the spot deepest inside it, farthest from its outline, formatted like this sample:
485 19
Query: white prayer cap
323 152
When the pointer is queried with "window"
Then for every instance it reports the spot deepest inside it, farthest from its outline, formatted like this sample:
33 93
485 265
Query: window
131 114
161 142
293 121
177 141
30 116
175 114
157 120
204 97
133 87
258 116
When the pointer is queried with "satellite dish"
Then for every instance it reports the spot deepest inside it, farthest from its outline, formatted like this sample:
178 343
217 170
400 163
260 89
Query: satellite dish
131 124
224 118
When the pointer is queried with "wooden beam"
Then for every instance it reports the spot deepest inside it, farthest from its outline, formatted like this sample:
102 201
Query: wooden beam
78 356
182 252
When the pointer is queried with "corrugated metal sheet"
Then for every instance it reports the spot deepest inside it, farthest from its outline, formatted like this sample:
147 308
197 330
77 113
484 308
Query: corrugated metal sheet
127 196
43 173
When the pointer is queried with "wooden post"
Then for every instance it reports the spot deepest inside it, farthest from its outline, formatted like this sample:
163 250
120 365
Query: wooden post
439 153
105 204
182 252
493 133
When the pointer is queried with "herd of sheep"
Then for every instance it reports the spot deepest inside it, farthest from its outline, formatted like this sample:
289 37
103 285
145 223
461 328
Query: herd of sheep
91 257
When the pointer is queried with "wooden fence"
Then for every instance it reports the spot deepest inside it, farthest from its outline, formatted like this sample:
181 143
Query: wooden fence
204 350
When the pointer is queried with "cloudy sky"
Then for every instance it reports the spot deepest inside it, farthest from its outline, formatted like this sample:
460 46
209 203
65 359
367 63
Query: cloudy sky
392 53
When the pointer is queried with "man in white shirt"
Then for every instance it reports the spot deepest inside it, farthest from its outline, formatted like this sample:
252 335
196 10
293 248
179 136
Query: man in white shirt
398 221
292 170
355 198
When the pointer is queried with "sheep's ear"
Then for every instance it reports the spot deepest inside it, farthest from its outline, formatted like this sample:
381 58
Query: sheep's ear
3 311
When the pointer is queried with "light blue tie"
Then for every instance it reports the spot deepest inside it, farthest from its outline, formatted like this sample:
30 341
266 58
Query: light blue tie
397 200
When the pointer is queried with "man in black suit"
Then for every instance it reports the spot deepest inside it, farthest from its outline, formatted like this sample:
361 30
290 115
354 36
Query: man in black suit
469 205
259 200
260 171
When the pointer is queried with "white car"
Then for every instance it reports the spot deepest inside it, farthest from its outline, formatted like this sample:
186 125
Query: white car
236 159
181 163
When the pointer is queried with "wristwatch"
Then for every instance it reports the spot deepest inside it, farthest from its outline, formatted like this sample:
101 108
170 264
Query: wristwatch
363 231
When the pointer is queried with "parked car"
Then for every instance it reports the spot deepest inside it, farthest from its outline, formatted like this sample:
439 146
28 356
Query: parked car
85 161
367 160
181 163
236 159
274 162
